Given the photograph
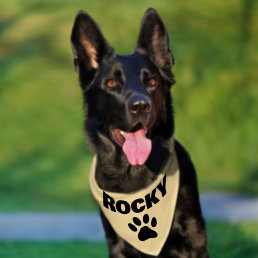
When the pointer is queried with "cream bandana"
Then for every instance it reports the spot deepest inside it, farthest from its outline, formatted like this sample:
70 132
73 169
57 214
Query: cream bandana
142 218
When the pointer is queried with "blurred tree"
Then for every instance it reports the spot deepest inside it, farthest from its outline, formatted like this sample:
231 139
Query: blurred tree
245 28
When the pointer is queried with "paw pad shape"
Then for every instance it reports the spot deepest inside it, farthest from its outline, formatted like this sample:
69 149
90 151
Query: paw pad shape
145 232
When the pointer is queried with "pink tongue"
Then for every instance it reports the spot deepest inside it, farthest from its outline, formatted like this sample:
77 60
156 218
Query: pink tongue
136 147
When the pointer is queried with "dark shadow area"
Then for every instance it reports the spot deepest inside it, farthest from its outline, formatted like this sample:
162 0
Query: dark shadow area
249 182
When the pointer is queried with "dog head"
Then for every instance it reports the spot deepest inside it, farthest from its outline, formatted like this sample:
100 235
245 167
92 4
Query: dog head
127 98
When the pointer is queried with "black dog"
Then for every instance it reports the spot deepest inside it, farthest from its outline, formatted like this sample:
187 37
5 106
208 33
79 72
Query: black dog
130 126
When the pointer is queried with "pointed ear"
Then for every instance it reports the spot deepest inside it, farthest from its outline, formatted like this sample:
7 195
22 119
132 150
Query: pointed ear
153 41
89 46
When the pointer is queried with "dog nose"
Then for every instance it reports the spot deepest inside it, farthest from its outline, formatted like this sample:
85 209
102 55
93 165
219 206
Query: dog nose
140 105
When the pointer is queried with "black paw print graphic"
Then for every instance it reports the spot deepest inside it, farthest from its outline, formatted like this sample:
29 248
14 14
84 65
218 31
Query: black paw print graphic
145 232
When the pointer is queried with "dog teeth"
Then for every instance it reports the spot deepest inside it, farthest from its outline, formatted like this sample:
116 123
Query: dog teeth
121 132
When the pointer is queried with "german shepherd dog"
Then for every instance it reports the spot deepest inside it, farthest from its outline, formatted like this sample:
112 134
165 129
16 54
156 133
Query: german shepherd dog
130 126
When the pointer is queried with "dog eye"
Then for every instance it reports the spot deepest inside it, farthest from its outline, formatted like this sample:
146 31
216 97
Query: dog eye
111 83
152 82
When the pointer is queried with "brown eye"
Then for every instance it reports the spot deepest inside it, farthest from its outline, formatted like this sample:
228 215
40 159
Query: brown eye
152 82
111 83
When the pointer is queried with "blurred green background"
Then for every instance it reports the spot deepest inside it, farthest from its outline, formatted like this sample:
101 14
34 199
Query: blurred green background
44 160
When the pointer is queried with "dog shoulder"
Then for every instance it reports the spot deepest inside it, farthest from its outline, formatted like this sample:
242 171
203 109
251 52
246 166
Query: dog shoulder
187 170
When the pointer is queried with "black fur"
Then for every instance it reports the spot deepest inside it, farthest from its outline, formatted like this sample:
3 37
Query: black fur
111 108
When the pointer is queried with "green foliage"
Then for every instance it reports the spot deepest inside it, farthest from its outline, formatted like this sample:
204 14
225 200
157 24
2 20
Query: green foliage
44 162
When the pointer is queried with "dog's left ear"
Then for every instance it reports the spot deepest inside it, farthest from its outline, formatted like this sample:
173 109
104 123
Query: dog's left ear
153 41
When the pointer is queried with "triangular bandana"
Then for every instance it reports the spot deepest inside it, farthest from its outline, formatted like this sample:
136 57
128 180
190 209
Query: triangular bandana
142 218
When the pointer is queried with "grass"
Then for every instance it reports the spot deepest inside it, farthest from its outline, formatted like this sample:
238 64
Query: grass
233 240
44 162
53 250
225 240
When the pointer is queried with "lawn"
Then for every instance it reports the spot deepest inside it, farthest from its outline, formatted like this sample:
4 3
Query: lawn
44 160
225 240
53 250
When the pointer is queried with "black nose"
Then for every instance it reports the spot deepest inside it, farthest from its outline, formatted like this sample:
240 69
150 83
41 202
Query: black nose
140 105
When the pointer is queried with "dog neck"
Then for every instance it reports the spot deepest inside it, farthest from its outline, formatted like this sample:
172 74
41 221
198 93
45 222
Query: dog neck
114 173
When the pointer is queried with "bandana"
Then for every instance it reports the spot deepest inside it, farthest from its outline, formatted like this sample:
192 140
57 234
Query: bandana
142 218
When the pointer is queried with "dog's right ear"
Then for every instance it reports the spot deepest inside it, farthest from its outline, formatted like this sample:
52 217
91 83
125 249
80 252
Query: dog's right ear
90 48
